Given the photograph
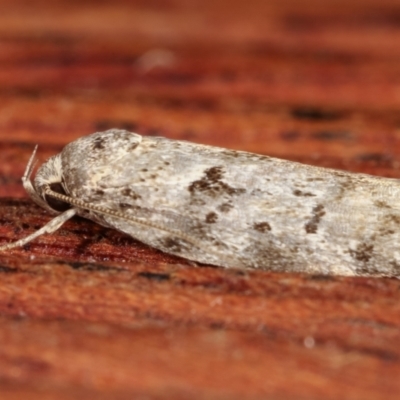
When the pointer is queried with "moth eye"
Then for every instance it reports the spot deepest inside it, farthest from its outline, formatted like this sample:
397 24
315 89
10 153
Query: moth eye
56 204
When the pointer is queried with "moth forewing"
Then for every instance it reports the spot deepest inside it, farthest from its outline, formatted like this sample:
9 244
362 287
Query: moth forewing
224 207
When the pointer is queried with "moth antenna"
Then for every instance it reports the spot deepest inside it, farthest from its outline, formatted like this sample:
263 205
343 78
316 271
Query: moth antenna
27 183
31 165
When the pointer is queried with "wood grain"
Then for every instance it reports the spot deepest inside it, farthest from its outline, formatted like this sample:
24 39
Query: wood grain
88 312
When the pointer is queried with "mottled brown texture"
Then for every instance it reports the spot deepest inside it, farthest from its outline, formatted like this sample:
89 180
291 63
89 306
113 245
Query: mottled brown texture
90 313
312 225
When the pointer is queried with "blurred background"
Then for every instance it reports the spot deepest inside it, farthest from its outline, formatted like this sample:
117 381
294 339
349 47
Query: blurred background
307 80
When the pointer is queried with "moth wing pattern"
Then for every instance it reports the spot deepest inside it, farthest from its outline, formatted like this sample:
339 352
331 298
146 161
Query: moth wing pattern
240 209
224 207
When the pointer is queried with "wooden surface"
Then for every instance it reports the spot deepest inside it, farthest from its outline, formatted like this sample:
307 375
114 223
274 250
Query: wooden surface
90 313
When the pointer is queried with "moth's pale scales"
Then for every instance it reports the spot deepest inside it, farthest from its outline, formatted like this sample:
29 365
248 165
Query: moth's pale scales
224 207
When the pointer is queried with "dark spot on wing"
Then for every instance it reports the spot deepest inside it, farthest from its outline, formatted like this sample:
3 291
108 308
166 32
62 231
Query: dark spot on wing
315 179
262 227
345 184
198 202
243 156
301 193
231 153
214 174
131 193
172 245
392 218
389 224
211 184
198 229
98 143
99 192
211 218
387 232
124 206
381 204
363 252
225 207
133 146
340 174
269 257
312 225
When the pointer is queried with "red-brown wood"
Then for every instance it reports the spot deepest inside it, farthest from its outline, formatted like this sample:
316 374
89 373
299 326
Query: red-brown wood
88 312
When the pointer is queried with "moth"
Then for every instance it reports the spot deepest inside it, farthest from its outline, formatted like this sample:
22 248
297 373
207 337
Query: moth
223 207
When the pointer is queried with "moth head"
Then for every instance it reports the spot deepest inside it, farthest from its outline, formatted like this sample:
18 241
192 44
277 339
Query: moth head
50 176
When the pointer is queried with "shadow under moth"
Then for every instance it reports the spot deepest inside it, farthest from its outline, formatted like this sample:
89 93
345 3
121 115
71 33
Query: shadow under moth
223 207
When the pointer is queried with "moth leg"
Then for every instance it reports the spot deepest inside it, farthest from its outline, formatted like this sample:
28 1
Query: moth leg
50 227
